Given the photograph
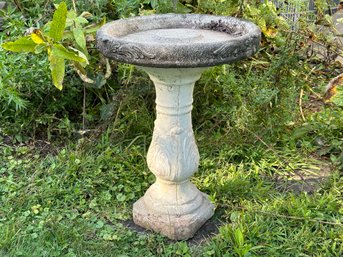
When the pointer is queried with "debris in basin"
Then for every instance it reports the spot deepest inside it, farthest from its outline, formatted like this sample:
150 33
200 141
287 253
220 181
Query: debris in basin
220 26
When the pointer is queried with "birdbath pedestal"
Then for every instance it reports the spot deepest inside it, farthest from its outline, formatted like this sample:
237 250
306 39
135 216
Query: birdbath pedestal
174 50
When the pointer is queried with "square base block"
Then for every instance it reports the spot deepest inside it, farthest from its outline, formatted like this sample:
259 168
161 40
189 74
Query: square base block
176 227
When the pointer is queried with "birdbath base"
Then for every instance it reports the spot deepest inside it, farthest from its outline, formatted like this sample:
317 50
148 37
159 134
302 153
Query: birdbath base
173 206
178 226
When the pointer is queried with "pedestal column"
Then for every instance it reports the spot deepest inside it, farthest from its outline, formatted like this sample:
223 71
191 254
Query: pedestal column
173 206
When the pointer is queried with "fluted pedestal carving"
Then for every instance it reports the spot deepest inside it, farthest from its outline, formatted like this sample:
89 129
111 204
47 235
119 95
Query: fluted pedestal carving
173 206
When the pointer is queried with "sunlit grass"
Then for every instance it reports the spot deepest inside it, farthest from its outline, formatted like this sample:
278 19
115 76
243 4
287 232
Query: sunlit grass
73 204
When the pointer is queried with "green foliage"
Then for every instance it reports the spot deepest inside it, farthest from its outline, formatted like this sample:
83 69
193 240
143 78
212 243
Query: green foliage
37 8
262 96
50 37
324 134
89 188
165 6
58 22
11 96
24 44
125 9
57 66
219 7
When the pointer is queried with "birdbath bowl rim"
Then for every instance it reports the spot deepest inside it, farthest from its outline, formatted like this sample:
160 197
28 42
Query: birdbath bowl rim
178 40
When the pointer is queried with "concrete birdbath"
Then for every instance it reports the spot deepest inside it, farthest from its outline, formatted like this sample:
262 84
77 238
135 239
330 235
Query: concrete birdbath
174 49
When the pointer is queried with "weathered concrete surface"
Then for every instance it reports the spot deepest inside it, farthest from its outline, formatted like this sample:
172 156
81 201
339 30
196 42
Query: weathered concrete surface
173 206
179 226
179 40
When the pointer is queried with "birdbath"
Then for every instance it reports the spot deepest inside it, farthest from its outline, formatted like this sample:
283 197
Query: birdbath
174 49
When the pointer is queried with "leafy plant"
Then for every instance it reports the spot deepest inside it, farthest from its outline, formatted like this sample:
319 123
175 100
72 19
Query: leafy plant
165 6
64 38
11 96
323 131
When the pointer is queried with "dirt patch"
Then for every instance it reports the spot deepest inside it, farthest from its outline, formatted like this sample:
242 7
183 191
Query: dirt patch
41 147
44 147
308 180
314 104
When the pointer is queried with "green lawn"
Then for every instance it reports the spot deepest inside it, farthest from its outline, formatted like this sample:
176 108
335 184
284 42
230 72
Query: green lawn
75 202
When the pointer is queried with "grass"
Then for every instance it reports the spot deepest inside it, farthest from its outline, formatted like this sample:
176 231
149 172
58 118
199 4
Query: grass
73 203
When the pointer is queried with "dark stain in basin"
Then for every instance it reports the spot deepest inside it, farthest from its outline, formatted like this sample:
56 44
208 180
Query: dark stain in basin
221 26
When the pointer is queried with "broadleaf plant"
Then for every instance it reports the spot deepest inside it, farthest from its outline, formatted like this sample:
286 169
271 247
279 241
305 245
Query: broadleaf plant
24 44
58 23
63 38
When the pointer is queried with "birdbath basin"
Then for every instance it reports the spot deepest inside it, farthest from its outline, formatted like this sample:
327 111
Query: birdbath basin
174 49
